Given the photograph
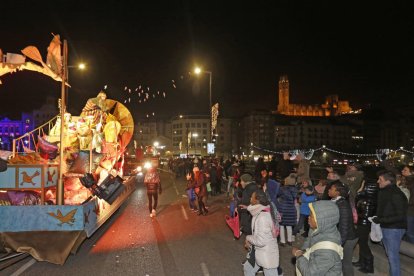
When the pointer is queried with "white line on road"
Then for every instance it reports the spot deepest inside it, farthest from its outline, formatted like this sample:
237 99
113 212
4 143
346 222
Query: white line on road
204 269
24 267
184 212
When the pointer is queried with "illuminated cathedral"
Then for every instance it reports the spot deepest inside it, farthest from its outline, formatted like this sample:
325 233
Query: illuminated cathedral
332 106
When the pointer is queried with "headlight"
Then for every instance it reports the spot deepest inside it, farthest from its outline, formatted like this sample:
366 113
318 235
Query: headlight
147 165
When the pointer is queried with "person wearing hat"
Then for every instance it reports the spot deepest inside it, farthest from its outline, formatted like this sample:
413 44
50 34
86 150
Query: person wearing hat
303 167
248 187
286 206
353 178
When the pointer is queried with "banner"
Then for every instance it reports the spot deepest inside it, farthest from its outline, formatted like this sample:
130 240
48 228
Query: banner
214 116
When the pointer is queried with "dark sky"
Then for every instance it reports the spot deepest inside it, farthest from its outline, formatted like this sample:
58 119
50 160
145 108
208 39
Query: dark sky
363 53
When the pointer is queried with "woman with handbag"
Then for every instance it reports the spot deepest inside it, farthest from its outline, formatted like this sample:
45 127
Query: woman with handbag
262 244
200 190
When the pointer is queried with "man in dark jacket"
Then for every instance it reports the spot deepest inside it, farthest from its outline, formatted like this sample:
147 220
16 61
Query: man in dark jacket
408 182
284 167
249 187
339 193
366 206
392 217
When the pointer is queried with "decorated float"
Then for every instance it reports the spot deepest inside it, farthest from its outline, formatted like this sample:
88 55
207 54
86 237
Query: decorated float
64 179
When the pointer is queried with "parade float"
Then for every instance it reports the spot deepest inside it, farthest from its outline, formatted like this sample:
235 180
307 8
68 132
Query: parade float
64 179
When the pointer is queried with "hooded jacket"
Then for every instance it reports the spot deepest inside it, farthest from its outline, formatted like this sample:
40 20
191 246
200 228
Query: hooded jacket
322 261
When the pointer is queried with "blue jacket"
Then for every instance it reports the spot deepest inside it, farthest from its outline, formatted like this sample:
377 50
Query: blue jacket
304 205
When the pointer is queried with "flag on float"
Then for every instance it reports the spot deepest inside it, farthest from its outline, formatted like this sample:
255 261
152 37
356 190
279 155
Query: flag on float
15 59
54 57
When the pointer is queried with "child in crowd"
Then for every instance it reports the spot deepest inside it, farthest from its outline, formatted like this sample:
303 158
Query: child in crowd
306 197
321 252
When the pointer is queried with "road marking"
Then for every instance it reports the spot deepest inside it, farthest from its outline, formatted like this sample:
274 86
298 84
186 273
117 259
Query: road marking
24 267
176 190
184 212
204 269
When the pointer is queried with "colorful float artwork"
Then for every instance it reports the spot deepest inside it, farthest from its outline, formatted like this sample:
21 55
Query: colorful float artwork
94 145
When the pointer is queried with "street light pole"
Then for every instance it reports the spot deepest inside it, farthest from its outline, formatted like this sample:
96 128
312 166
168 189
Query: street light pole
211 105
60 189
210 73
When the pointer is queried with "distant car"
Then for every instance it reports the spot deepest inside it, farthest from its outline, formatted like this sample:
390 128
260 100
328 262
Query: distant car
137 169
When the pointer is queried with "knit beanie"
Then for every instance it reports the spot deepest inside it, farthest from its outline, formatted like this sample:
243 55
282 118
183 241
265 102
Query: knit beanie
246 178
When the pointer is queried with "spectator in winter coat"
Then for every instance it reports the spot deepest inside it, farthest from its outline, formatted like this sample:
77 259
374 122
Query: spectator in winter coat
408 182
284 167
330 178
303 168
286 207
260 166
200 190
324 240
392 217
270 186
366 205
306 197
248 188
320 188
265 244
190 191
339 194
353 178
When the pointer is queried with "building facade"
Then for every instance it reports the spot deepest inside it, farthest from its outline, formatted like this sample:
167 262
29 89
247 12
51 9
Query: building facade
256 131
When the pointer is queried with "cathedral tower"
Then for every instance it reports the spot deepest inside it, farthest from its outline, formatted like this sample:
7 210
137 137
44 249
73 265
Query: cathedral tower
283 106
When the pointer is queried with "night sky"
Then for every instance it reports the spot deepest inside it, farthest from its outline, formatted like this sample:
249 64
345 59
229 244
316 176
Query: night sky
365 54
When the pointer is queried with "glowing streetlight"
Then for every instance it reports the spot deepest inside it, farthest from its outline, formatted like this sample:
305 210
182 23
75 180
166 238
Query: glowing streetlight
80 66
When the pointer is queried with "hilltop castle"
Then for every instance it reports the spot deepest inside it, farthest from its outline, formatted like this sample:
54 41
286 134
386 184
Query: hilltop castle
332 106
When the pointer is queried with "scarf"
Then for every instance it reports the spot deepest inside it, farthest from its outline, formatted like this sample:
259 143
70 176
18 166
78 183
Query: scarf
336 198
256 209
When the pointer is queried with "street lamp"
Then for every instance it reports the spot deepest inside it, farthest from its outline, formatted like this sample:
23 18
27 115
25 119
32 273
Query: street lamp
80 66
198 71
195 135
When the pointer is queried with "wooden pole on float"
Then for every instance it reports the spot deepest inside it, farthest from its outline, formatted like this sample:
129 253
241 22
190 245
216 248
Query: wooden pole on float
60 189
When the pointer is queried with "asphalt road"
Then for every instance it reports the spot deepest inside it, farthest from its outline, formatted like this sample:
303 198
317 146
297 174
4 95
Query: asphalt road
176 242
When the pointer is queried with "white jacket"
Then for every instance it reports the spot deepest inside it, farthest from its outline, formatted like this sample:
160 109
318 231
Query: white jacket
267 251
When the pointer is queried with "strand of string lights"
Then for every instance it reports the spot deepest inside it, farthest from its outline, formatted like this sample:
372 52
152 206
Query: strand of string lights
324 148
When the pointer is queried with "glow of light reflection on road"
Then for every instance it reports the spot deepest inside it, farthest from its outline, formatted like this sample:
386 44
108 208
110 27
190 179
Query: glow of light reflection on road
133 229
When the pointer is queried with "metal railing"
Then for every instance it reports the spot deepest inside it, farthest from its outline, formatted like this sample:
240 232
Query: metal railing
30 143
